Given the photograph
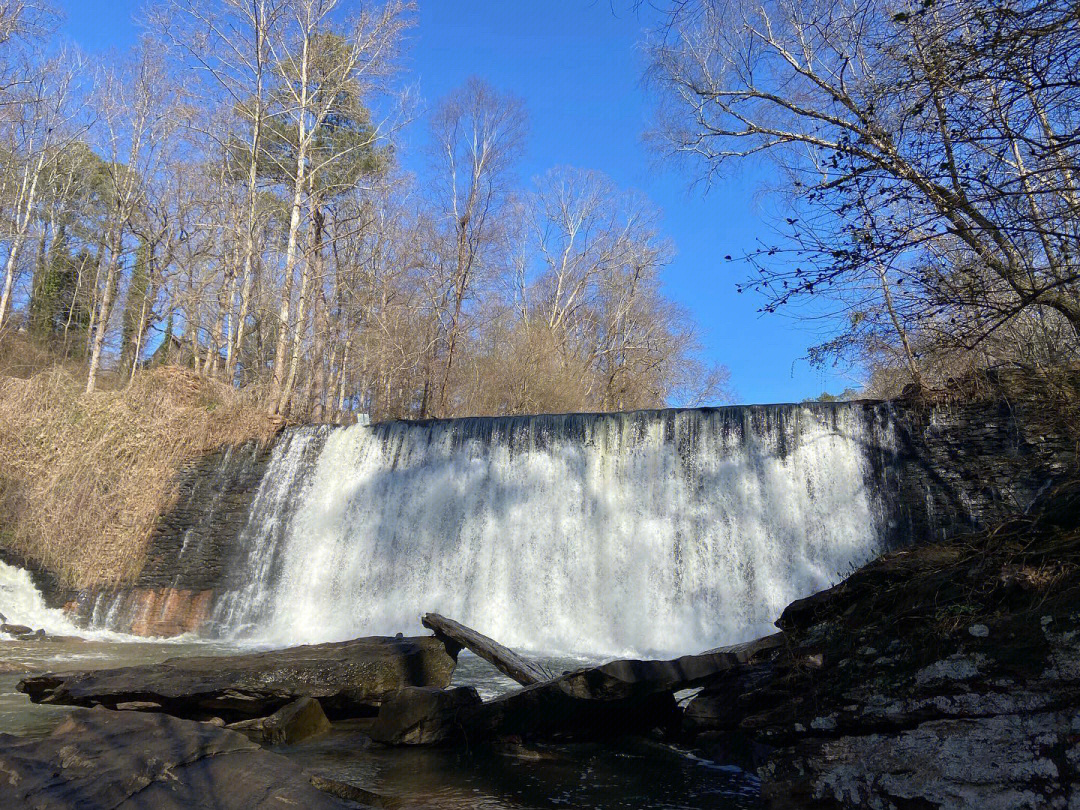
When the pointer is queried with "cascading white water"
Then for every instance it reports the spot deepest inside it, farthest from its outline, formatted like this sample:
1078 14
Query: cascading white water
654 532
22 603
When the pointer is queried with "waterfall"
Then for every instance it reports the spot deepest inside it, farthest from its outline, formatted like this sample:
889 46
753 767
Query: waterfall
652 532
22 603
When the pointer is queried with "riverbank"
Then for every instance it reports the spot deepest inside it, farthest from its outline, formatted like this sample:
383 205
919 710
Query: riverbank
941 676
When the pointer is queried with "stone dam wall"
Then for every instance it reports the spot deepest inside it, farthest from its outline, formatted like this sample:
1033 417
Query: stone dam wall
188 550
955 467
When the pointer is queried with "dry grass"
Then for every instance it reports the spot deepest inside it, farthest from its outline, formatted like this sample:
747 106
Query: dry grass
84 477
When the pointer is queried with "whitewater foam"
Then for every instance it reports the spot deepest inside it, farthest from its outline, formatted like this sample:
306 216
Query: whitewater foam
657 532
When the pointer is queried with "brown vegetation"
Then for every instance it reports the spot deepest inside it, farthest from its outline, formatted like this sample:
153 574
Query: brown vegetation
85 476
227 196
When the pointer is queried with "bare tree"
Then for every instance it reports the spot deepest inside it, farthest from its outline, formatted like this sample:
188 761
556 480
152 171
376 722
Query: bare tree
37 128
133 126
477 135
316 63
229 43
932 139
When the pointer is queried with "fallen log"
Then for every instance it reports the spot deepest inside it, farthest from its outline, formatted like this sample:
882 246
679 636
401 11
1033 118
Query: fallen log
507 661
619 697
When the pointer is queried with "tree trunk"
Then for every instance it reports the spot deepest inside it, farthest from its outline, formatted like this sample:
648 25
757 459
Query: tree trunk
278 396
103 314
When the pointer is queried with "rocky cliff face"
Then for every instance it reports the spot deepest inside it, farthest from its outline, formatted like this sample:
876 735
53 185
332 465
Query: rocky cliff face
942 676
187 549
966 465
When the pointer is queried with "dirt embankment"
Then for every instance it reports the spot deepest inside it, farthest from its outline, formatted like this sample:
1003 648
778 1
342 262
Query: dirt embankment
83 477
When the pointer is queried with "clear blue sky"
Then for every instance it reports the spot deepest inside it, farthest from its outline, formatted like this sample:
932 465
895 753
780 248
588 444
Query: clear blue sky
577 65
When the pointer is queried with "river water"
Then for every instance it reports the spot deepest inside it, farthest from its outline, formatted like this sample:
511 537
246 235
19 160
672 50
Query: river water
635 775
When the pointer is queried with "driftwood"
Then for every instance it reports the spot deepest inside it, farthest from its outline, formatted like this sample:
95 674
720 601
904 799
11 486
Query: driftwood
507 661
624 696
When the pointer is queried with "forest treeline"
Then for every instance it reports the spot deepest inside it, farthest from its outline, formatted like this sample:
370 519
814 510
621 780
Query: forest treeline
228 196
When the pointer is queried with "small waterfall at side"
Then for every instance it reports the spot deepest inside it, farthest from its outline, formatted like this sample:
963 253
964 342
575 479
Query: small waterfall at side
22 603
279 498
652 532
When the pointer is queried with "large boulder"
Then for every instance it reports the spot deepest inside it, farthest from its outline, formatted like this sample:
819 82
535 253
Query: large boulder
420 715
129 760
300 720
349 679
550 711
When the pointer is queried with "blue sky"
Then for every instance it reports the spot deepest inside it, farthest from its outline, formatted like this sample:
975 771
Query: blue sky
578 67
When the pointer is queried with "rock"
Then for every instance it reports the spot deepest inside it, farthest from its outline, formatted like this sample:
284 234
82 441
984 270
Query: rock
300 720
138 706
547 710
349 678
420 715
129 760
630 677
993 763
508 662
10 667
352 793
720 707
16 629
979 630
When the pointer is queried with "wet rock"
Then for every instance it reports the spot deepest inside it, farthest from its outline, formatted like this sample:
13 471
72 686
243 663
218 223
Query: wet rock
349 678
720 707
9 667
554 709
128 760
16 629
41 635
351 793
620 697
422 715
300 720
994 763
138 706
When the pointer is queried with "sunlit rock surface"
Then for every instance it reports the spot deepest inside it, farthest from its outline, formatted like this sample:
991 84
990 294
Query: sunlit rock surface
348 678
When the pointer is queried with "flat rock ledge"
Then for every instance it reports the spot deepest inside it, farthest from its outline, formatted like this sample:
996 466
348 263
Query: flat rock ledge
348 678
130 760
